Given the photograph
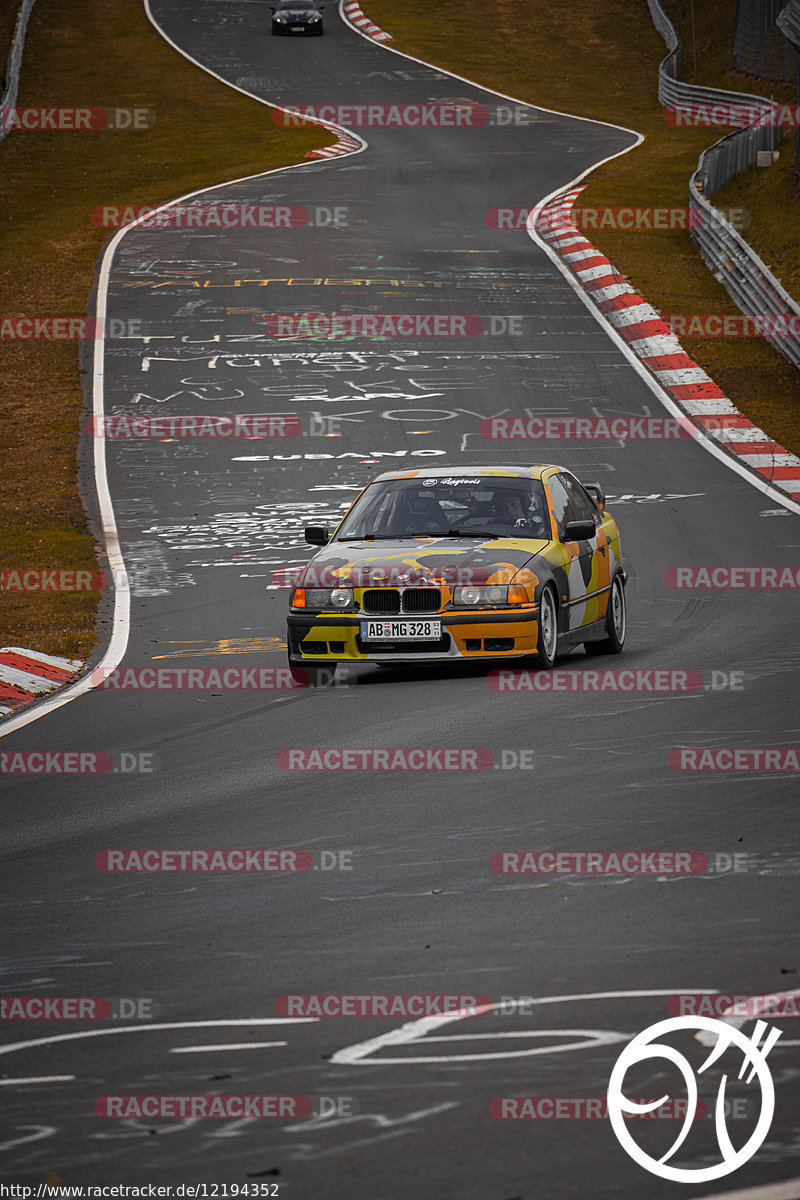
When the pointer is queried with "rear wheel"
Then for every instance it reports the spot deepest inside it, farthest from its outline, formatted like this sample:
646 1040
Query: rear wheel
548 629
616 623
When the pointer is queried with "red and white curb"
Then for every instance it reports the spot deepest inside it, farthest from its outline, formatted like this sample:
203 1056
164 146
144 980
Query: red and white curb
653 342
353 14
352 10
345 145
25 675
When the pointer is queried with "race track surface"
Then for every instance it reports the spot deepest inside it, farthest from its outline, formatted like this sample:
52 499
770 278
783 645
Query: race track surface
208 525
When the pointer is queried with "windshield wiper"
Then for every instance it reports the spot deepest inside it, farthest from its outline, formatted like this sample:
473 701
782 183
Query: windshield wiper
476 533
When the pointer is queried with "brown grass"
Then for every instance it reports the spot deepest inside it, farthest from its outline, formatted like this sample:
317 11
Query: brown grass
50 182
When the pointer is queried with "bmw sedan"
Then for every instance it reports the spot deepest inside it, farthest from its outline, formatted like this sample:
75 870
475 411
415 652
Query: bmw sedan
461 563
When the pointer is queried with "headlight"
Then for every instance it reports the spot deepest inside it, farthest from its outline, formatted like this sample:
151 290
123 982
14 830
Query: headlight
329 598
494 594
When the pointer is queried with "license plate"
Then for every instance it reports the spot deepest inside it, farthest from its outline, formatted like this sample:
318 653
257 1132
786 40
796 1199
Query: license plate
401 631
298 28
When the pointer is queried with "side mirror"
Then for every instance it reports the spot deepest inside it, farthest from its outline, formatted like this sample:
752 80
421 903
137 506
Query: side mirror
317 535
596 490
578 531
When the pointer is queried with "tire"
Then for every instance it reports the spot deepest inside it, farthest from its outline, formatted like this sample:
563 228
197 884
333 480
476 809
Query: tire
548 629
312 674
616 622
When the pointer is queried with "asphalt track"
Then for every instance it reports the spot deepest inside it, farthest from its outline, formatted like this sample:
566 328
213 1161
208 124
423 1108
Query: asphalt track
205 523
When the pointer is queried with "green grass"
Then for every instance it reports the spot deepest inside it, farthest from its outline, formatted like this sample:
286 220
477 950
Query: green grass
91 55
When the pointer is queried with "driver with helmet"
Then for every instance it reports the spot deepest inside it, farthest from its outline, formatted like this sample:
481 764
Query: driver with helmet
513 508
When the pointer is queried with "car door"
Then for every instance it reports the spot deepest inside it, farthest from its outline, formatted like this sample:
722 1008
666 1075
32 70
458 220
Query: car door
587 572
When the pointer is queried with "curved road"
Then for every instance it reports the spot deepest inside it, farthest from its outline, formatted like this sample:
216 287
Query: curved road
208 526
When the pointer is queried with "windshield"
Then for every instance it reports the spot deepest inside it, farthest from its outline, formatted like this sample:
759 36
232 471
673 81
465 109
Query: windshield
492 506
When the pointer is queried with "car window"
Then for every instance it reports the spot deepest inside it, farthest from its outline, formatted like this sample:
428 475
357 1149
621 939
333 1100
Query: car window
562 504
436 504
583 507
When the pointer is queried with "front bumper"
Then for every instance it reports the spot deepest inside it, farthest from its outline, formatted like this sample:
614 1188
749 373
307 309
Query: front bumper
501 633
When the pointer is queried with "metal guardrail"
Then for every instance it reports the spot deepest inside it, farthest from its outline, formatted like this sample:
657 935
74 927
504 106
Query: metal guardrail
733 262
9 98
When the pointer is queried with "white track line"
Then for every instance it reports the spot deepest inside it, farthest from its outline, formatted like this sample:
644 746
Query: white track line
758 483
121 619
788 1190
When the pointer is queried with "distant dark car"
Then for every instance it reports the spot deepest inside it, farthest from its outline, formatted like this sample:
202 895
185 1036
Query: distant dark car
297 16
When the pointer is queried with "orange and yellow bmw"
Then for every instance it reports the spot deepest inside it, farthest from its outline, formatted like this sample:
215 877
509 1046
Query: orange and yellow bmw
460 563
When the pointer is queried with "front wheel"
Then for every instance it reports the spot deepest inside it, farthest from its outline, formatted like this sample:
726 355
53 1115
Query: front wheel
548 629
616 623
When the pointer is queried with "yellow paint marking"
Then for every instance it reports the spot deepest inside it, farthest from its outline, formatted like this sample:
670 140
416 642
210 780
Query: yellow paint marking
258 645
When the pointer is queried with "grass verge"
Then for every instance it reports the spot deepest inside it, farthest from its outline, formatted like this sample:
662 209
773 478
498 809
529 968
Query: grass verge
100 56
599 58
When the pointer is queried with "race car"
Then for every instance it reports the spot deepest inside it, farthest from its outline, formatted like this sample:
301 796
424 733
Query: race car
297 16
460 563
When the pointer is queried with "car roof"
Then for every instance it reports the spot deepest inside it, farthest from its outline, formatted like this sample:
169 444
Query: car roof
498 471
